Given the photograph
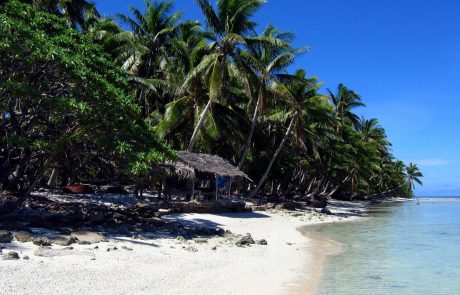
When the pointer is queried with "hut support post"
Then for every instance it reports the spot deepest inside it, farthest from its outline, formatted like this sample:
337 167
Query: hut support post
216 187
229 186
193 187
160 191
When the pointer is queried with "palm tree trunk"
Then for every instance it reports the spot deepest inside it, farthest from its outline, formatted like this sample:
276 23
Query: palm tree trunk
251 133
198 127
53 177
278 150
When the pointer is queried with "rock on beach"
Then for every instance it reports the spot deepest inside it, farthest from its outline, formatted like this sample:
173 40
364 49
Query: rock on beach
5 236
88 237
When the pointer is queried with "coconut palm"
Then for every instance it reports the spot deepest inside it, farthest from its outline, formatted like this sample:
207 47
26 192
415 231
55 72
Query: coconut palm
192 61
296 91
344 101
145 51
413 175
232 26
152 31
261 62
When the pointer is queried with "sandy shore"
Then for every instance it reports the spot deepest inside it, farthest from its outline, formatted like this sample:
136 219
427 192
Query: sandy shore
289 264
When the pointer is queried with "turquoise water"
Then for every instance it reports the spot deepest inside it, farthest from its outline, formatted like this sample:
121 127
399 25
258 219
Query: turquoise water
404 248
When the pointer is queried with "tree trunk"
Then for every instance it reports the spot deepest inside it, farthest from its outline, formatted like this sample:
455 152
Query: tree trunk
251 132
278 150
53 178
38 178
198 127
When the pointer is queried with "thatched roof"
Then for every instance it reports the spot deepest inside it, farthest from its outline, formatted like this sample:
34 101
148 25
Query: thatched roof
179 169
206 163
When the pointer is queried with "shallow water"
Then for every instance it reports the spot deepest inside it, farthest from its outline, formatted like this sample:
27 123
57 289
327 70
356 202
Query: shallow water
404 248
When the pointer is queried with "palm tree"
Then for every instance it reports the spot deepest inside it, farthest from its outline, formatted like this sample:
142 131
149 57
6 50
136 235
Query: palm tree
413 175
146 49
231 25
344 101
261 62
192 61
296 91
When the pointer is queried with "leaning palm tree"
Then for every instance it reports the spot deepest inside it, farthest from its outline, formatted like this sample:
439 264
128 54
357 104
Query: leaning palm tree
413 176
192 63
232 26
296 91
261 62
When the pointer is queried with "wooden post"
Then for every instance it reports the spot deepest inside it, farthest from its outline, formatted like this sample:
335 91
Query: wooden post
216 187
193 187
229 186
160 191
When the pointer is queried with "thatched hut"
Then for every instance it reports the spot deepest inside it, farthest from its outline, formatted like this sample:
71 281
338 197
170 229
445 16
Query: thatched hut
205 173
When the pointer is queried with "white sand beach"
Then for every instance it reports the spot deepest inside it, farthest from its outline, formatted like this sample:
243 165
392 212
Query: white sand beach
289 264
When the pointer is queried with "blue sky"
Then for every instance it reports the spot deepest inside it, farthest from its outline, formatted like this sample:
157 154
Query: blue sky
401 56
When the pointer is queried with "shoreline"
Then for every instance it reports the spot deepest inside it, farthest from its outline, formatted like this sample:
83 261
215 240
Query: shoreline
289 264
321 247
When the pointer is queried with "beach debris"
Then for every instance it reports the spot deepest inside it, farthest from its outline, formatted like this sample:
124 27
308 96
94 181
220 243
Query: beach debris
214 248
201 241
227 233
326 211
262 242
62 240
220 232
191 249
126 248
5 236
286 206
25 257
41 241
113 189
317 203
12 255
245 240
289 244
180 239
88 237
78 189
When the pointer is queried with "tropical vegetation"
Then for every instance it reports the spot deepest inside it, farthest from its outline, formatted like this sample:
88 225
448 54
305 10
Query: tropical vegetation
84 99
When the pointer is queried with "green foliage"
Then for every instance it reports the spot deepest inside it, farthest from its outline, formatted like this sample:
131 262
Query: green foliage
67 104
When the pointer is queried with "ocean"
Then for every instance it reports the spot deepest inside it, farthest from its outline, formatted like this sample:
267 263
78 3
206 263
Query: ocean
402 248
